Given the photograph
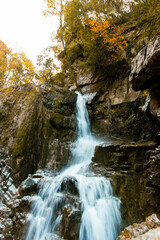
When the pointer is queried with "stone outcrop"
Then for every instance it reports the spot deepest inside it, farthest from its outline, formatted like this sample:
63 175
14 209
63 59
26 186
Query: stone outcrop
148 230
122 156
145 67
145 73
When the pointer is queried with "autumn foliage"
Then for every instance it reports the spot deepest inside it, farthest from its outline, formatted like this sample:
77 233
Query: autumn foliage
15 68
111 36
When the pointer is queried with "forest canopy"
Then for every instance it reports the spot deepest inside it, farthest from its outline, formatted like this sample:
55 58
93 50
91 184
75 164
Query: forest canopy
15 68
92 33
101 32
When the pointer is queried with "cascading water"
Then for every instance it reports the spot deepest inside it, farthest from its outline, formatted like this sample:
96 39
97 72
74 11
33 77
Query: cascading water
101 218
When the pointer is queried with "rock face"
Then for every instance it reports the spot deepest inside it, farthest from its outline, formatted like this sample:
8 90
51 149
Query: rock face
125 164
145 73
38 123
148 230
35 124
122 156
145 67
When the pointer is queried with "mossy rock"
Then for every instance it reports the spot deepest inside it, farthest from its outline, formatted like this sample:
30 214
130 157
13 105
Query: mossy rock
28 125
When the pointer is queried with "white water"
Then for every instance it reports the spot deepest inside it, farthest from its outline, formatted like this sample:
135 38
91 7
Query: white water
101 218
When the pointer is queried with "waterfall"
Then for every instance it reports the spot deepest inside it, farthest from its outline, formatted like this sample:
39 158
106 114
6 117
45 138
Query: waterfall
101 217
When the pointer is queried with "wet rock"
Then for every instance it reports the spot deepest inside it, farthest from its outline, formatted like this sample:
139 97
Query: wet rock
70 209
53 237
71 222
150 229
13 218
59 154
41 173
69 185
29 186
71 218
152 166
4 211
125 164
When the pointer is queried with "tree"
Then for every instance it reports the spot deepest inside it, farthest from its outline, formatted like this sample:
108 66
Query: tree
4 53
20 69
146 17
47 66
15 68
90 33
110 35
55 7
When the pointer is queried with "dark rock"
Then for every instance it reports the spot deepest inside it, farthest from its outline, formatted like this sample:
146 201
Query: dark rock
122 156
125 164
69 185
125 121
29 186
71 223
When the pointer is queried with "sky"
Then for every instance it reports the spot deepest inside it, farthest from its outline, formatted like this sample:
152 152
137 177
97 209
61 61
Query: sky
23 27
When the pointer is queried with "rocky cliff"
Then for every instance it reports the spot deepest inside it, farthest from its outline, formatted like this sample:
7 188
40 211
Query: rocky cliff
125 107
36 127
38 123
134 166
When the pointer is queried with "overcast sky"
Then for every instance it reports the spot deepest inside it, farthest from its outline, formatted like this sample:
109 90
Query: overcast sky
23 27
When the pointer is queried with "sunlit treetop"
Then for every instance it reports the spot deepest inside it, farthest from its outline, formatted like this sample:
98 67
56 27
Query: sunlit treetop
15 68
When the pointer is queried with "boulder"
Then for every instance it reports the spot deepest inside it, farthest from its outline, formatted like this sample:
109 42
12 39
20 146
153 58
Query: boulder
148 230
69 185
29 186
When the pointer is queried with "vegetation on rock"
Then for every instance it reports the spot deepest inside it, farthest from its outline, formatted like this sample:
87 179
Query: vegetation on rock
100 33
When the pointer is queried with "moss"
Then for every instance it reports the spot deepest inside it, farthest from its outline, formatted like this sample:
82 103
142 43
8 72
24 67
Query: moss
20 144
60 133
48 104
60 79
25 151
124 111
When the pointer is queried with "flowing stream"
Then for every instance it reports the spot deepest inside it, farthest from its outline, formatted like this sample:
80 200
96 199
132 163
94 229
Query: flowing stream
101 217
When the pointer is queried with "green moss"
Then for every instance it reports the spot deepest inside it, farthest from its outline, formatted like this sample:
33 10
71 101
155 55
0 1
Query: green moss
60 133
60 79
20 144
123 111
25 136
